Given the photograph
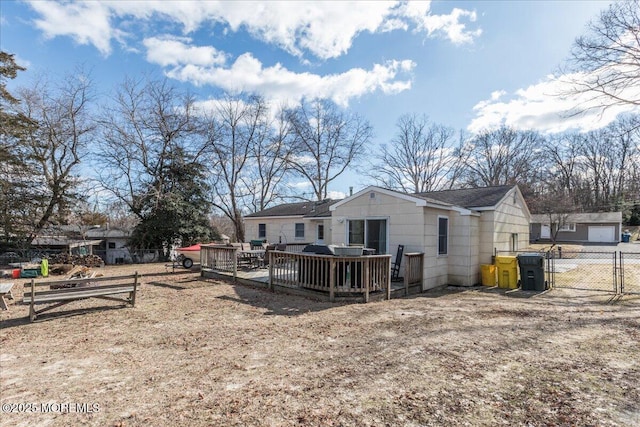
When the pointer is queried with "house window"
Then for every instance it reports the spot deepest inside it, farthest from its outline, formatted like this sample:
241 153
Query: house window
320 232
571 226
443 235
299 230
112 245
514 242
262 231
371 233
356 232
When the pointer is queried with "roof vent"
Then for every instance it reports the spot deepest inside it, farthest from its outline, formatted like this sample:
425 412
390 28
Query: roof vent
372 195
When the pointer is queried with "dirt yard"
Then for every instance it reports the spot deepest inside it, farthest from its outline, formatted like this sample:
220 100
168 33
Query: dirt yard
207 353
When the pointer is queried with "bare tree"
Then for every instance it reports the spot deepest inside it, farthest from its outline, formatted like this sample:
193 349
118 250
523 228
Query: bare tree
420 158
56 146
604 157
236 128
607 59
595 171
152 161
556 206
503 156
269 165
142 129
327 142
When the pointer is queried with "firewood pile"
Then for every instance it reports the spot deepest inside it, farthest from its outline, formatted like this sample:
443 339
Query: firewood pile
77 272
85 260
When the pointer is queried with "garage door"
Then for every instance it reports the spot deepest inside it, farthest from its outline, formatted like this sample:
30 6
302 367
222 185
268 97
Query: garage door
602 234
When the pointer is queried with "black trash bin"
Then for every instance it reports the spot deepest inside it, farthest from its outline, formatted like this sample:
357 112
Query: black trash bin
531 272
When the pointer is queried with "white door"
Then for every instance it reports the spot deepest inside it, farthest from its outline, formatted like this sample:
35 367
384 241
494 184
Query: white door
545 231
602 234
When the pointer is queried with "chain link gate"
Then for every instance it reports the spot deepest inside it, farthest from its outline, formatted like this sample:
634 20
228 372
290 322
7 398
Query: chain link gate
593 271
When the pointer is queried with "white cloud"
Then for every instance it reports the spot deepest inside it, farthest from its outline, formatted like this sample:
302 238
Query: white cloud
172 51
277 83
448 25
495 95
324 29
549 107
86 23
336 195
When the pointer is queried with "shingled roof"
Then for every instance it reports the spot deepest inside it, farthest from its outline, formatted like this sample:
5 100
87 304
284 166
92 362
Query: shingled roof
470 197
305 209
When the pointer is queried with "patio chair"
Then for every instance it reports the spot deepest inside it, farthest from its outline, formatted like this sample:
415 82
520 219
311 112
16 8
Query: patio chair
395 267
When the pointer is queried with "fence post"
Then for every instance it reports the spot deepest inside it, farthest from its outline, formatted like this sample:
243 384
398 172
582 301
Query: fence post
366 280
621 273
408 268
235 265
270 260
332 280
388 278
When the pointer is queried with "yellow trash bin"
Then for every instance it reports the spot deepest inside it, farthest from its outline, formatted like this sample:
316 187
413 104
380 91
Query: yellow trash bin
44 267
488 274
507 271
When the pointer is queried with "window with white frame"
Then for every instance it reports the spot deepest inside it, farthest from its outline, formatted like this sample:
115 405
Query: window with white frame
570 226
369 232
443 235
262 231
299 230
356 232
320 232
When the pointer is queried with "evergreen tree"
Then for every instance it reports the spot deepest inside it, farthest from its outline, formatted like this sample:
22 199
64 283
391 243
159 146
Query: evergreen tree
179 215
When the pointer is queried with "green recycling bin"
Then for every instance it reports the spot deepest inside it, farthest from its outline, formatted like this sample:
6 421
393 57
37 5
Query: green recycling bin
531 272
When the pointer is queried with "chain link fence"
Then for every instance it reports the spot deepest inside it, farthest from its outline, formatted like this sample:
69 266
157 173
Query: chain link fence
629 273
614 271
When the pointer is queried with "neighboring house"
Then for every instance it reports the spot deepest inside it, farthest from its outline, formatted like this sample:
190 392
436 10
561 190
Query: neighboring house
108 244
113 245
302 222
65 238
457 230
596 227
58 243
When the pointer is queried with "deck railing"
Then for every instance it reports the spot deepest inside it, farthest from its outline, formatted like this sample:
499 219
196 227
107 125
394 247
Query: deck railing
325 273
219 258
413 270
331 274
296 247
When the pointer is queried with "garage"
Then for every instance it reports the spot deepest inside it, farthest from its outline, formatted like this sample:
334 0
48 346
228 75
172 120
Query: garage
602 234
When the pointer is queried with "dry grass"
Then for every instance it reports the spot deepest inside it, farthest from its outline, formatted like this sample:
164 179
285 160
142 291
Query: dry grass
206 353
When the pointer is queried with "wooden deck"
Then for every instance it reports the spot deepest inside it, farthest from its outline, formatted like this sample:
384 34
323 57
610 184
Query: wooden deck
321 277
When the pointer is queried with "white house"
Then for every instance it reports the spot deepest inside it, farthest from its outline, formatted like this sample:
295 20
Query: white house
457 230
112 246
302 222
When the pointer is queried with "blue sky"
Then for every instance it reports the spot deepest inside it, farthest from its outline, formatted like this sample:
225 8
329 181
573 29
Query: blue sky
468 65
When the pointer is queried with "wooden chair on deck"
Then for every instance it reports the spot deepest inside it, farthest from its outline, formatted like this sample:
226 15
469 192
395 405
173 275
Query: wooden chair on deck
395 267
